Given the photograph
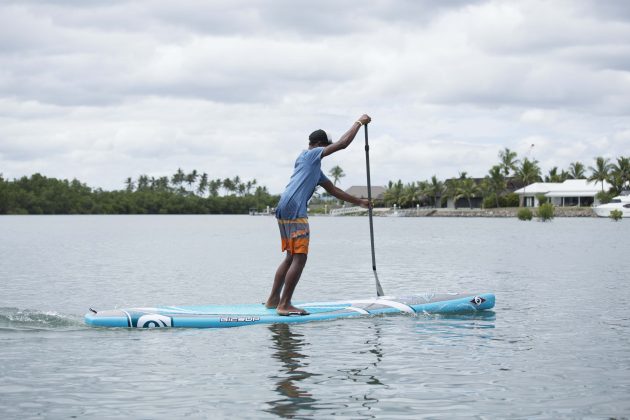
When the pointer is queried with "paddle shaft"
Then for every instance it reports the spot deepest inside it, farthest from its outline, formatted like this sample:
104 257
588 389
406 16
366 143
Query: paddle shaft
379 289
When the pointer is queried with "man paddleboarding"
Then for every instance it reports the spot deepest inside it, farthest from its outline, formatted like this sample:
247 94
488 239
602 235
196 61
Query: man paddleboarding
293 219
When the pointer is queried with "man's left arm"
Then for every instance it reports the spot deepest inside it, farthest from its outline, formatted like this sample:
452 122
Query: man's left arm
342 195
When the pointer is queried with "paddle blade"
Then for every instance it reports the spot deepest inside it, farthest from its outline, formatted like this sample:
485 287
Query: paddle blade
379 289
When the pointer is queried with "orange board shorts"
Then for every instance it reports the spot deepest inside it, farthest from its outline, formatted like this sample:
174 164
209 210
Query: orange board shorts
294 234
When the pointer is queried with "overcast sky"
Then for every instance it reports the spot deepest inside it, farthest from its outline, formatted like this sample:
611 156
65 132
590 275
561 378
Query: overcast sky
104 90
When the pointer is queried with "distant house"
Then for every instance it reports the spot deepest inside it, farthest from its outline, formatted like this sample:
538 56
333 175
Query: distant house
378 193
572 192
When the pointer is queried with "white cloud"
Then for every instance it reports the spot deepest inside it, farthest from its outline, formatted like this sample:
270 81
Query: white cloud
538 116
106 90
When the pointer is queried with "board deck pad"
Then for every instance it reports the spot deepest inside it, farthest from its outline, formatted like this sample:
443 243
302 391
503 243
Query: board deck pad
222 316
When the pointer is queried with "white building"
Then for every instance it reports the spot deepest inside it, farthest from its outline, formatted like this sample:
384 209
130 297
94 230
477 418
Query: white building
570 193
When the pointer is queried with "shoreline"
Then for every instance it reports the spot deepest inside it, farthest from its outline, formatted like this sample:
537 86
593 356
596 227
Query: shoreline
378 212
466 212
509 212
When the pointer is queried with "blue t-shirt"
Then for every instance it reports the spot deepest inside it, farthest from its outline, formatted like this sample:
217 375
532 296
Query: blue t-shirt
307 175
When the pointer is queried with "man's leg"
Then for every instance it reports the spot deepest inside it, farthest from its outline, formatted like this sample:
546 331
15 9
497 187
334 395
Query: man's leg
278 281
291 280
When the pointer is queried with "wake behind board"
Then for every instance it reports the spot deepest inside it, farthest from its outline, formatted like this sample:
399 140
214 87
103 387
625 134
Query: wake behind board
218 316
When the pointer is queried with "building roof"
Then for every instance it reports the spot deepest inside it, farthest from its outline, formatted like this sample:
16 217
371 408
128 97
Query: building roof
568 188
361 191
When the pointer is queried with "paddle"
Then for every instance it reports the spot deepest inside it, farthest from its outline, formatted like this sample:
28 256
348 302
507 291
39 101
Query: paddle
379 289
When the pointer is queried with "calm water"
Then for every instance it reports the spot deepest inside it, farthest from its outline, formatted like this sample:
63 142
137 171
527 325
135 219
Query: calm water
556 346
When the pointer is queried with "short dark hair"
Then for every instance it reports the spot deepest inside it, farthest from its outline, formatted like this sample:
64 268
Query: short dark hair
319 137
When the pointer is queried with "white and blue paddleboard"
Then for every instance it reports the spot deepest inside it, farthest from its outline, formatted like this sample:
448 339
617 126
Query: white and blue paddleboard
222 316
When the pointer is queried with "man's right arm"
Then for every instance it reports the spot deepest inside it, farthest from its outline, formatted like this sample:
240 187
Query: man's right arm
342 195
347 138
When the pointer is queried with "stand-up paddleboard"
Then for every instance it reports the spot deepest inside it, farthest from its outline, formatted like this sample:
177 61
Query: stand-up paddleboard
221 316
215 316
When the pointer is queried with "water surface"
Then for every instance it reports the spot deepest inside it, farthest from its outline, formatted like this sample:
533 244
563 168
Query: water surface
556 345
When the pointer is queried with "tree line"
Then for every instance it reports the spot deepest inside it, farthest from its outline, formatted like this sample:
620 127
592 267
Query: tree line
181 193
195 183
509 174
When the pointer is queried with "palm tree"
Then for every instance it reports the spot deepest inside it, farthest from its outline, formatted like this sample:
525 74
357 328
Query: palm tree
423 196
468 189
228 185
435 189
143 182
410 194
336 173
554 176
508 161
214 186
485 191
260 191
130 184
191 178
620 174
495 182
393 193
161 183
601 170
576 170
451 188
203 184
178 178
249 185
528 172
238 186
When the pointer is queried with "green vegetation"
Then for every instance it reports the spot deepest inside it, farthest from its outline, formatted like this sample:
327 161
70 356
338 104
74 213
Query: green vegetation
495 182
183 193
576 170
601 171
528 172
196 193
605 197
336 173
524 214
505 200
508 161
510 173
545 212
619 176
616 215
541 199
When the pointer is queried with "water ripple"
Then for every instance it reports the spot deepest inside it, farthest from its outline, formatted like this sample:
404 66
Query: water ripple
14 319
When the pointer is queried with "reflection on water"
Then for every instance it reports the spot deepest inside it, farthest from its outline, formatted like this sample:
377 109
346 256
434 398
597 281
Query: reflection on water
481 315
361 374
289 348
366 375
296 392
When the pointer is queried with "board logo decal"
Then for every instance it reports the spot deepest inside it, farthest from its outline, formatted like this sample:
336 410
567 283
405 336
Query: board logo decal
239 319
154 321
477 300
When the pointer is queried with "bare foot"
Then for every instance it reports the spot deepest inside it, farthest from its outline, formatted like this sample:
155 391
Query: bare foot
290 310
272 302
